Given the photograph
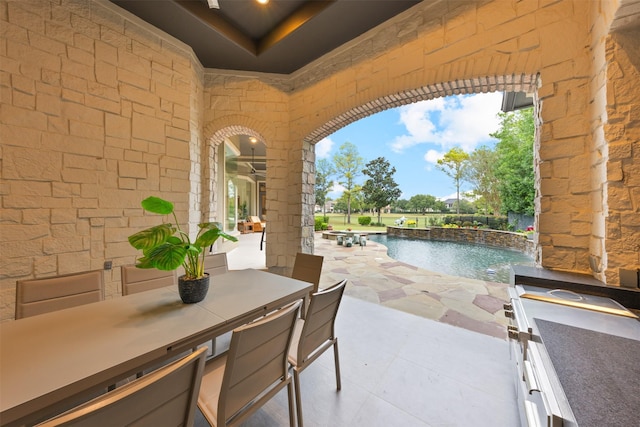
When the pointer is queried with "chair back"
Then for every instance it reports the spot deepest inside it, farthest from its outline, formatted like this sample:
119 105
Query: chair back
166 397
308 268
38 296
319 323
257 361
136 279
215 264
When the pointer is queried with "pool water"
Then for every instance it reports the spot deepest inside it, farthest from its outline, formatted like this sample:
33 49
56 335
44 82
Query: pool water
453 258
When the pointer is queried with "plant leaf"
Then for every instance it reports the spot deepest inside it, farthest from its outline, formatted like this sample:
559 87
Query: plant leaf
212 234
168 256
157 205
151 237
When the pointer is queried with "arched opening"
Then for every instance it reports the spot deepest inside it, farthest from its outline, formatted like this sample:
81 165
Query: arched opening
235 179
508 84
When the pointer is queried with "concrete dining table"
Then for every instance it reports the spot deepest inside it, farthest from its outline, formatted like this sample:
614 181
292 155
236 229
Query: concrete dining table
53 361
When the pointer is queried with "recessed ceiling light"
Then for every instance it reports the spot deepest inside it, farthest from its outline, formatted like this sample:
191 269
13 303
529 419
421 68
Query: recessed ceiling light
263 1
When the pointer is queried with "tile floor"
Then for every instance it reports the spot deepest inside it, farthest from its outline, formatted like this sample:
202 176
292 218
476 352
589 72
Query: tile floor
398 369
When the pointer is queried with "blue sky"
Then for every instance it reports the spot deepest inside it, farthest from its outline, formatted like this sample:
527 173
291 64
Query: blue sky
413 137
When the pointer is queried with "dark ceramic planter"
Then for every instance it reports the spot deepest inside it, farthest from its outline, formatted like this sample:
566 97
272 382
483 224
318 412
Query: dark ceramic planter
192 291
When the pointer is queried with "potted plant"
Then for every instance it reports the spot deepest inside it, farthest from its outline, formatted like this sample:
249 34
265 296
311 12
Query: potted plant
167 247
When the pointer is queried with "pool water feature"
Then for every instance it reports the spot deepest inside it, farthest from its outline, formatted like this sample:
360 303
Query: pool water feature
456 259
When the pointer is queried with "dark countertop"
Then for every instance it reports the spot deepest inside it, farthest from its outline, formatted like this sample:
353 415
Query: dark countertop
599 373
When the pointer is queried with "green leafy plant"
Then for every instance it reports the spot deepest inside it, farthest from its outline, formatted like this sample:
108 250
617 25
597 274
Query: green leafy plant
167 247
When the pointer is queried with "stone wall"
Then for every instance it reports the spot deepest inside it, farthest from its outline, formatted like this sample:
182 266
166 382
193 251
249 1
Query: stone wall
478 236
621 155
98 112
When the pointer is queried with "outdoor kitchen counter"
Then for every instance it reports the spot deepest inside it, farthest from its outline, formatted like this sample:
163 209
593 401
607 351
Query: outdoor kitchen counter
581 349
599 373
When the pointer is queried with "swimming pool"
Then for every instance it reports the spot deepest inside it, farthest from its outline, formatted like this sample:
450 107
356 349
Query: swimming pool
457 259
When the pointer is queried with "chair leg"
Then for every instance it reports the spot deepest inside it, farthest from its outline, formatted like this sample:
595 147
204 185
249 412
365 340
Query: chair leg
337 360
296 382
292 417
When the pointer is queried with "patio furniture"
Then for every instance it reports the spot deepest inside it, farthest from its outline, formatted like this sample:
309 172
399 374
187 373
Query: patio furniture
216 264
82 350
244 227
166 396
308 268
238 383
136 279
314 334
39 296
256 223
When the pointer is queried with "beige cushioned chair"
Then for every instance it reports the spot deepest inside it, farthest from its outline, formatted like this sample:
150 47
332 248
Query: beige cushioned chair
38 296
314 334
165 397
254 369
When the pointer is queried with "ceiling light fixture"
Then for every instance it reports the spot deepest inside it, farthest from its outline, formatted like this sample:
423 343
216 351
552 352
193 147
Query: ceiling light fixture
263 1
213 4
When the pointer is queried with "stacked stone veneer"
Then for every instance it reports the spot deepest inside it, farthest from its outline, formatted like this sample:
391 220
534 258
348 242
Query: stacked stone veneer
480 236
99 110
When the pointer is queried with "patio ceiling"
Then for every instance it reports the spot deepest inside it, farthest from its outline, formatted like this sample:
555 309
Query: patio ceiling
280 37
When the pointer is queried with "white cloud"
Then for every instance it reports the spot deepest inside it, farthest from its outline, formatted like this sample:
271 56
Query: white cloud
464 121
432 156
323 148
336 190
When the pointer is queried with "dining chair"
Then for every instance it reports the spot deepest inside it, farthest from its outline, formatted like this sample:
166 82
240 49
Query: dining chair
308 268
165 397
255 368
215 264
314 334
136 279
38 296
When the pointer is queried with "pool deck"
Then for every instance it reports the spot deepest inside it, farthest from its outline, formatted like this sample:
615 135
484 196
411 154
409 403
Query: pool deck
373 276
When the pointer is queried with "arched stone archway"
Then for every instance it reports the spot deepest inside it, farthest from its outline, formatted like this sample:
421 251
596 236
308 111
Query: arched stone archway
512 83
210 173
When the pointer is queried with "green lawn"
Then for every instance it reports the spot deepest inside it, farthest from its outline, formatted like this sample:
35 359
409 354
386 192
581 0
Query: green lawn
339 221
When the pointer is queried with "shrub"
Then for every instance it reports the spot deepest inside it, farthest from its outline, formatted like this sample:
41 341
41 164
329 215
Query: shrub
435 221
318 222
411 223
467 224
364 220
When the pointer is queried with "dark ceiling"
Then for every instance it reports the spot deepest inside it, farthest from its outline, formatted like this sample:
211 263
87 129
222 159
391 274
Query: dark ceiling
280 37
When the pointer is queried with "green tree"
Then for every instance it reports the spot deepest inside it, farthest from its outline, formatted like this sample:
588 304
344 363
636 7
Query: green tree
453 164
324 172
515 161
348 164
481 173
401 205
440 206
380 189
422 202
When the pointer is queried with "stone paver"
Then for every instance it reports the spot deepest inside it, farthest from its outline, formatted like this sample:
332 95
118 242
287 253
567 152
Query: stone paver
373 276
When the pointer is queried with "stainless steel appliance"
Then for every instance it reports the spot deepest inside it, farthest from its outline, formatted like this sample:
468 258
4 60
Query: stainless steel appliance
576 357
